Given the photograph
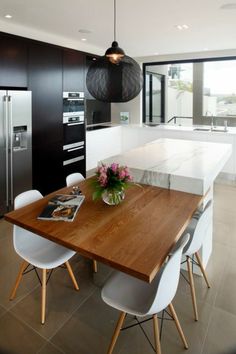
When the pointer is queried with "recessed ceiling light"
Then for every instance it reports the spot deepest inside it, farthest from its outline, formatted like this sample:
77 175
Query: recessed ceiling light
82 30
94 58
229 6
156 53
205 49
84 39
182 27
8 16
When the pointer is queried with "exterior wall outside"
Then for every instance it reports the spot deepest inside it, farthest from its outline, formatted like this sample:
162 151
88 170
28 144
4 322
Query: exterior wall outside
180 103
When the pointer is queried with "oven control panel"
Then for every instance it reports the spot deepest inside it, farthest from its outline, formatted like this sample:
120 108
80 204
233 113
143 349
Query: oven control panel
74 119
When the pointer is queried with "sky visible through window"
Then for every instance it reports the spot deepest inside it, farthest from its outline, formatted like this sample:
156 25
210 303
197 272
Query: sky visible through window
220 77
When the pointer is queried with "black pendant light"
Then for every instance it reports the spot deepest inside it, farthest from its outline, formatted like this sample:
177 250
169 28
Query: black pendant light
114 77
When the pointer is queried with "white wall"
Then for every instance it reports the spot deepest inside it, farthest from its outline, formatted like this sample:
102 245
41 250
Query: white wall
134 107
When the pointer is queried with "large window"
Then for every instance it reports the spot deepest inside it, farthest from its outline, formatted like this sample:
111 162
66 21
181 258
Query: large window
195 92
155 90
180 93
219 88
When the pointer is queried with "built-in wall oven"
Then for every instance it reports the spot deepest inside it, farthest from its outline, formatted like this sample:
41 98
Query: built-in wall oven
74 133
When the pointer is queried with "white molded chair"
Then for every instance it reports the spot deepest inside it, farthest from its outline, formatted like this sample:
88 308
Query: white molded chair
74 178
136 297
197 229
71 180
38 251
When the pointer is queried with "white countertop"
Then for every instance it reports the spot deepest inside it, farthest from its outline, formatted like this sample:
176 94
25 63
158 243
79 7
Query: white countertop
180 128
186 128
189 166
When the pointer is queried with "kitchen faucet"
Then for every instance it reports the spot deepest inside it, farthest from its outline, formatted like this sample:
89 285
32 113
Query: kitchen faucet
212 122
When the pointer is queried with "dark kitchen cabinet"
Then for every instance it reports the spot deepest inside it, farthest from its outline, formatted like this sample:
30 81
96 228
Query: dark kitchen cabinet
13 61
45 82
73 70
89 60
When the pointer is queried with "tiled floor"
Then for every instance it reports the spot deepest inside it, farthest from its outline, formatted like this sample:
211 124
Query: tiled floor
80 323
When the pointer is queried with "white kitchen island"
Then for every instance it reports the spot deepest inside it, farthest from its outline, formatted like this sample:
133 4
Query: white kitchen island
184 165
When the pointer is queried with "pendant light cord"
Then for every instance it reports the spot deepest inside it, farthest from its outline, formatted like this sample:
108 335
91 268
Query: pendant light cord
114 20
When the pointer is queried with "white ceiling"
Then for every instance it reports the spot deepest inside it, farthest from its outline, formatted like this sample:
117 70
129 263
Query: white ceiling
143 27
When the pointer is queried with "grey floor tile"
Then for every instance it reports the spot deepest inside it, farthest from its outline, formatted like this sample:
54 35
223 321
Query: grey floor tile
221 338
225 298
49 348
2 311
214 270
62 299
8 274
18 338
89 329
133 341
5 229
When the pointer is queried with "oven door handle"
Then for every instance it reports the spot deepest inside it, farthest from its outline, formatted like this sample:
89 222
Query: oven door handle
80 123
74 99
77 148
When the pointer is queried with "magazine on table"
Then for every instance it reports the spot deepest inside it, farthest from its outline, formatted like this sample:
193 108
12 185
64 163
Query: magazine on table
67 199
62 207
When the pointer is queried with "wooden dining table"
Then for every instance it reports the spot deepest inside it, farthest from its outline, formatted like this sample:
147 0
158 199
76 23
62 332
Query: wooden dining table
134 237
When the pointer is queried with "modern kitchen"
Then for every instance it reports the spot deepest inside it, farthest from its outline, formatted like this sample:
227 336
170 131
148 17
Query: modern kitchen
135 127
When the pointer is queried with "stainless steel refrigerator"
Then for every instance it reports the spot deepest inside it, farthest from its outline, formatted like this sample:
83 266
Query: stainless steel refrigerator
15 146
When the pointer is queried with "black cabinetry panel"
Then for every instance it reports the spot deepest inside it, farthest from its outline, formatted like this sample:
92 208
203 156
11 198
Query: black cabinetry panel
13 61
45 81
89 60
73 71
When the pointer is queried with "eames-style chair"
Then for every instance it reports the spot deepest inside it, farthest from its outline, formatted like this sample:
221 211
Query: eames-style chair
71 180
38 252
138 298
197 229
74 178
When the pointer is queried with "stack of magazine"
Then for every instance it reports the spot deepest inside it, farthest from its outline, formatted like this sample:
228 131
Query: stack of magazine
62 207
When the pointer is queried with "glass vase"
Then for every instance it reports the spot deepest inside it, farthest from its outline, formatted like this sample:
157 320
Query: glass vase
113 197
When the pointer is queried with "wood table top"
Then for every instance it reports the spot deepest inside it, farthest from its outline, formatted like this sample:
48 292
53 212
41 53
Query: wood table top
134 237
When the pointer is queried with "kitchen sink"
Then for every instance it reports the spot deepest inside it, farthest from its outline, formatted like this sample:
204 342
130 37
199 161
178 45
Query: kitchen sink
221 130
151 124
202 129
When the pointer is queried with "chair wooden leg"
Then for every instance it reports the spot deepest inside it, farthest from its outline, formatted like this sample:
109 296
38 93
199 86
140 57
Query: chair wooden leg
23 266
194 301
95 266
117 332
43 305
179 328
156 334
70 271
202 269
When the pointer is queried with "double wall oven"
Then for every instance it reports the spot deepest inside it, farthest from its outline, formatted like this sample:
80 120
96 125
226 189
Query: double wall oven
74 133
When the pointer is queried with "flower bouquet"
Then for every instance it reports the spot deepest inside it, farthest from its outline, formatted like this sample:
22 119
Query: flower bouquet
110 183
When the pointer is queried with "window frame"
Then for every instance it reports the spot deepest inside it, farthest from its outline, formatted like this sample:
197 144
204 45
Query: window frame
198 117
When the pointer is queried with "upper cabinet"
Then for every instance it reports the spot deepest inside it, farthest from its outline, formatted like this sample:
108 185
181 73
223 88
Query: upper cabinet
73 70
45 82
89 60
13 62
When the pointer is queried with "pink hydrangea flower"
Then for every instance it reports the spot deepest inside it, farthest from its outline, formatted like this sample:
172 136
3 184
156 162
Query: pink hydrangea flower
122 174
103 179
114 167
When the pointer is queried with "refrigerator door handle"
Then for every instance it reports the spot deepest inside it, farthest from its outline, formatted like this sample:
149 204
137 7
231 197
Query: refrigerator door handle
5 115
11 149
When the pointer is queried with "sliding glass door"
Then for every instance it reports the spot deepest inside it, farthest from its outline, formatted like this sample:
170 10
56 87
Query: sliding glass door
155 91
